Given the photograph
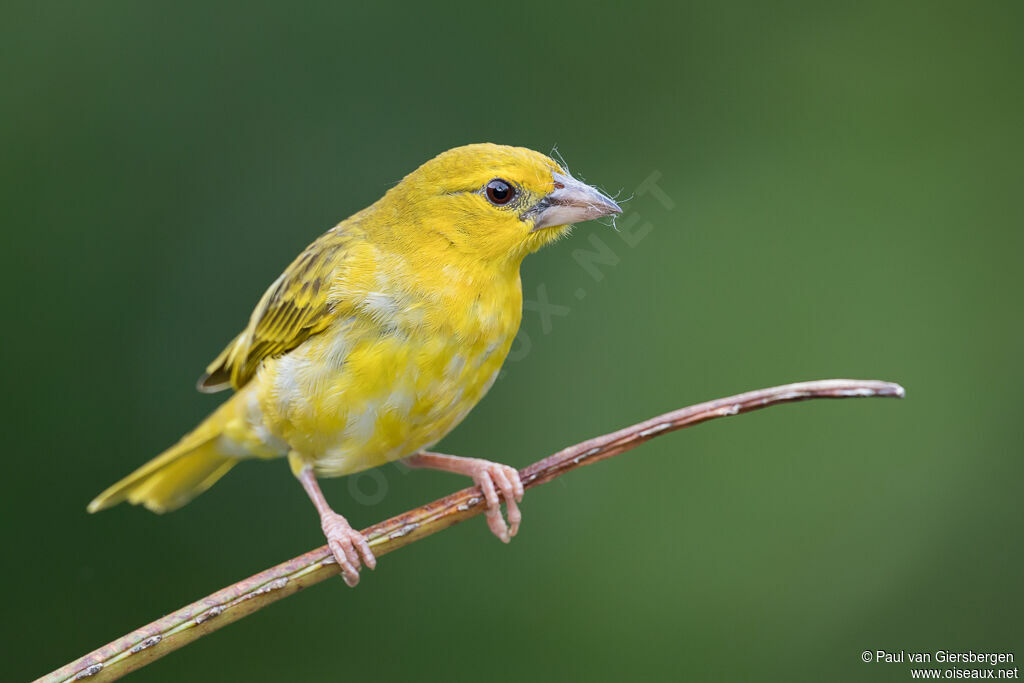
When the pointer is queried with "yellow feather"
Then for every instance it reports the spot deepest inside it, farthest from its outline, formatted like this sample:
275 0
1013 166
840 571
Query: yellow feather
180 473
378 339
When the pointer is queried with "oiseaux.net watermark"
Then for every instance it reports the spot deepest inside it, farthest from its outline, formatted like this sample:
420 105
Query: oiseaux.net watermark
542 307
948 664
632 228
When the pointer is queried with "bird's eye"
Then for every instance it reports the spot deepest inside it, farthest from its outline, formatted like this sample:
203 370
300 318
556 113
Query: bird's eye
500 192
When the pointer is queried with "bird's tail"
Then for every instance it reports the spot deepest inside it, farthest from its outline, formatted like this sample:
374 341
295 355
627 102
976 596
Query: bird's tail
180 473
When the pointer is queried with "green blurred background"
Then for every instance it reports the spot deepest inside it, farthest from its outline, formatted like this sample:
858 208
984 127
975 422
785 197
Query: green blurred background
845 191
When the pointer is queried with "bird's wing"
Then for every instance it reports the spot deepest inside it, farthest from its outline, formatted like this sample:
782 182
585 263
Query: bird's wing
296 307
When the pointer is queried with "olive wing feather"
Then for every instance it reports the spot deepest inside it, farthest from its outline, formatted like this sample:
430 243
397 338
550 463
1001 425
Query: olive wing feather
294 308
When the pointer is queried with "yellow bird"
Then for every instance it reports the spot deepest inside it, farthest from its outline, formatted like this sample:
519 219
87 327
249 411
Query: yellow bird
380 338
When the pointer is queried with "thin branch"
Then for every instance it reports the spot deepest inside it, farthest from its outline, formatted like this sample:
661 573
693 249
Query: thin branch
154 640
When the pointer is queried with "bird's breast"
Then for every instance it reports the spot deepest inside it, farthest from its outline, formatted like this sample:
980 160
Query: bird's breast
392 379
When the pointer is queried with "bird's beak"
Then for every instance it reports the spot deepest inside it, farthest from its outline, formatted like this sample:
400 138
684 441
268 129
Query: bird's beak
571 202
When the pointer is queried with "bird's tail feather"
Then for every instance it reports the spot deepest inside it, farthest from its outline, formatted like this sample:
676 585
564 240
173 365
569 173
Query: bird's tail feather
178 475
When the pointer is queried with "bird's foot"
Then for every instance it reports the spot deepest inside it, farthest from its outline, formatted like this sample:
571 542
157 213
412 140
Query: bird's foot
348 546
492 477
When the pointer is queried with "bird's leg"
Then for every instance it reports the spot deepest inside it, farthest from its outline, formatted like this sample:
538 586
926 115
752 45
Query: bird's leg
490 477
348 546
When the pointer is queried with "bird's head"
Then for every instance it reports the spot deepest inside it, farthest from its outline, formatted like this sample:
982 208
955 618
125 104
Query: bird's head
495 203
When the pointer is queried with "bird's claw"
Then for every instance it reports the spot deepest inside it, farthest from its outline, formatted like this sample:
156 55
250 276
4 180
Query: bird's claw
348 546
492 477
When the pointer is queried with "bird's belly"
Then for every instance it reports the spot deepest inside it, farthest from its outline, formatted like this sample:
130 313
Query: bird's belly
350 399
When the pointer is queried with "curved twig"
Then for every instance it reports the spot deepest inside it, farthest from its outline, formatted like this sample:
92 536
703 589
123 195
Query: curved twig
154 640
